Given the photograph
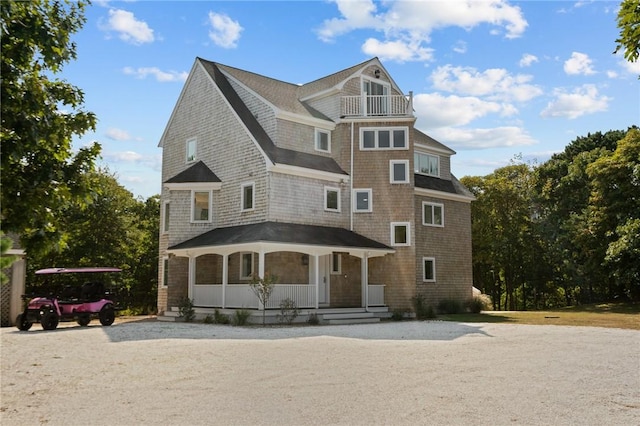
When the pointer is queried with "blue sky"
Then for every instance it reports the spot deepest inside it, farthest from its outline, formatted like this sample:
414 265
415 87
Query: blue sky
490 79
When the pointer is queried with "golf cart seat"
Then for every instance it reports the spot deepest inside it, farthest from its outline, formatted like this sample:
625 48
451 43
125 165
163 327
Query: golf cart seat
92 292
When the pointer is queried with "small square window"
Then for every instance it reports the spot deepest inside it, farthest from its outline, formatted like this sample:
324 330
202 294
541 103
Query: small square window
248 196
428 269
246 266
336 263
399 139
323 141
400 234
384 140
399 171
191 150
201 206
432 214
362 200
331 199
368 139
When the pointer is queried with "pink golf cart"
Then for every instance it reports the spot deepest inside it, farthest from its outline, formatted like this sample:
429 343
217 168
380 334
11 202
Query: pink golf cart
80 302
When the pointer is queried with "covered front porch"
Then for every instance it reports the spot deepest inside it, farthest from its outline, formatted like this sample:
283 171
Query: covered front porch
315 267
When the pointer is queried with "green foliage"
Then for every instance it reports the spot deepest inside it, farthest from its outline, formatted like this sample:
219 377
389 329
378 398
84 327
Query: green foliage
288 311
208 319
313 319
241 317
628 21
449 306
40 116
262 288
477 304
5 260
423 310
397 315
185 307
220 318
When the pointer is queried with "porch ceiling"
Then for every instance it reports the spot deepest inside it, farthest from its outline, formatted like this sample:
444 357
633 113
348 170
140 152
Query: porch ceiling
276 236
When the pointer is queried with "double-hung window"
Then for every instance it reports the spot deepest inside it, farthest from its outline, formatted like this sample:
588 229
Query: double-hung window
200 206
323 140
383 138
246 266
429 269
191 150
432 214
331 199
362 200
400 234
336 263
247 196
426 164
399 171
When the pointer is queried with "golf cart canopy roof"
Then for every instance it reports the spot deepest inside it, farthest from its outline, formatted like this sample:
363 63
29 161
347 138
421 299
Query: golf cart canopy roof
76 270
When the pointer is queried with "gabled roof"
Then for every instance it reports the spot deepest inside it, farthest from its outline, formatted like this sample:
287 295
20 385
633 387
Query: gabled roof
199 173
286 233
424 139
273 152
331 80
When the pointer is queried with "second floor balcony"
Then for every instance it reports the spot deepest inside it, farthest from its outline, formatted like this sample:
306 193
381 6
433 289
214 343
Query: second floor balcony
377 106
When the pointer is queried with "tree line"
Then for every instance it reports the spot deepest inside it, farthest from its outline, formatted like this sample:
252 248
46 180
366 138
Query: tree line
563 232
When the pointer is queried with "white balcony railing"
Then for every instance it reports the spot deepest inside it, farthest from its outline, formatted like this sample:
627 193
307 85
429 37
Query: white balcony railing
241 295
376 106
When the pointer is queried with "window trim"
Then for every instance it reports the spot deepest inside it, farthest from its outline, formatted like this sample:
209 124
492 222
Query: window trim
334 189
432 205
415 166
355 200
393 234
316 133
195 150
241 272
166 216
424 269
392 163
335 256
253 196
209 207
376 139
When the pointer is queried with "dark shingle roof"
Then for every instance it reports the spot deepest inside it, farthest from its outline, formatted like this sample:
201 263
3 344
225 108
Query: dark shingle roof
452 186
199 172
279 232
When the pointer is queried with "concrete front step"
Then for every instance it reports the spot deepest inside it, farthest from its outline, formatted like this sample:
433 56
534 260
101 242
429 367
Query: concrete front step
353 321
348 315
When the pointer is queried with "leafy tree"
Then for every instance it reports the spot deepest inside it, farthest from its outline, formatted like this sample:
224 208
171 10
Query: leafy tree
40 114
5 260
629 24
262 288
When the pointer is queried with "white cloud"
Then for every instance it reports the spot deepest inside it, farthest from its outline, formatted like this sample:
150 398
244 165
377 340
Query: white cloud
415 20
583 100
630 67
225 32
470 139
612 74
117 134
399 51
495 83
579 63
527 59
161 76
124 157
435 110
460 47
129 28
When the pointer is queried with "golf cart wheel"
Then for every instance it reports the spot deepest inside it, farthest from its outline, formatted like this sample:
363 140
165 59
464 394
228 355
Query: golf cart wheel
22 323
107 315
84 320
49 321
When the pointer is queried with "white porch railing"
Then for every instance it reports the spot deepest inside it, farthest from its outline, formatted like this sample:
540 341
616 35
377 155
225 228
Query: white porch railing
376 105
376 295
241 295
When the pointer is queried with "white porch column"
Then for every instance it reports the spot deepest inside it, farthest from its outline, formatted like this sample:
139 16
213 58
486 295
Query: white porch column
225 278
316 273
261 274
365 280
192 276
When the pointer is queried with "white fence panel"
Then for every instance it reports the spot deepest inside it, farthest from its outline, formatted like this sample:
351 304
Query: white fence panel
376 295
303 294
241 296
207 295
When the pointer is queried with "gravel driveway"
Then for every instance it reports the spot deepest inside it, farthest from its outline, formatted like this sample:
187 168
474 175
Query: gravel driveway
440 373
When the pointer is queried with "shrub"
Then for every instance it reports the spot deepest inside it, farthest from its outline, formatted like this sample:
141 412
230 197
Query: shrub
478 303
220 318
422 310
397 315
208 319
449 306
241 317
185 307
313 319
288 311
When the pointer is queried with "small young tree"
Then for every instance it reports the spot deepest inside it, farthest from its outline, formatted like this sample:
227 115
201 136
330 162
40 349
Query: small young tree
262 288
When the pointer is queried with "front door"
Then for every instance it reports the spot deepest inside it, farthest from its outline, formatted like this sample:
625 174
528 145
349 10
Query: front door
324 263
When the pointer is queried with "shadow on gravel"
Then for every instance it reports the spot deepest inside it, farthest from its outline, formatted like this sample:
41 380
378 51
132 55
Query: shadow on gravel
398 331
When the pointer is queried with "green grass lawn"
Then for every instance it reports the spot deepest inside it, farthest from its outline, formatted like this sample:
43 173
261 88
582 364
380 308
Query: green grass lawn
612 315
